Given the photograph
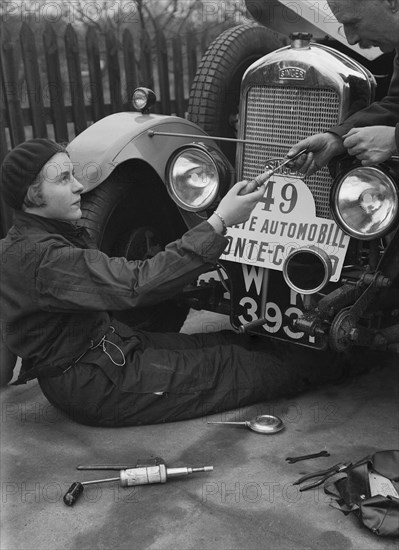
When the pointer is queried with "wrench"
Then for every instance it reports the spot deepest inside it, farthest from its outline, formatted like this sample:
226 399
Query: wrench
293 459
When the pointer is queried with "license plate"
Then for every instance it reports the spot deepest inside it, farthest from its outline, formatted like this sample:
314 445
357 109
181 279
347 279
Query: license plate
259 293
282 222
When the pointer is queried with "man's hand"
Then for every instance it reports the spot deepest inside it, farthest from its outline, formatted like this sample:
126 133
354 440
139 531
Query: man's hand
371 145
321 149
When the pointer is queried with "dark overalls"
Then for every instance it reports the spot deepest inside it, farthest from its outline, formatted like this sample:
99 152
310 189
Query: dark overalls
56 292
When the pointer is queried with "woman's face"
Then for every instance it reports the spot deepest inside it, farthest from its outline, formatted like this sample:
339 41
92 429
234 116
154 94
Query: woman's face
60 190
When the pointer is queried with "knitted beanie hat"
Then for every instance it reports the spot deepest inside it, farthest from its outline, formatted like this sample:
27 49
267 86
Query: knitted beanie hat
21 167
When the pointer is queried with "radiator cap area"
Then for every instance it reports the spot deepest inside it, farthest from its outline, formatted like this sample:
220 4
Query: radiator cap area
301 40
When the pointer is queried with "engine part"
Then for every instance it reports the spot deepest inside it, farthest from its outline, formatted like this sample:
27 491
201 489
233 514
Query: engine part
343 332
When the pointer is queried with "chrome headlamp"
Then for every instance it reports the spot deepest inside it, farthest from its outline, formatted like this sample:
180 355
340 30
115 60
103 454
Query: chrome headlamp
364 202
194 175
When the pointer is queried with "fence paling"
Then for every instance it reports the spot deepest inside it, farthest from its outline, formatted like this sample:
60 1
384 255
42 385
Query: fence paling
3 139
55 85
178 75
204 41
114 73
6 213
146 68
75 79
130 63
12 103
96 87
33 84
191 57
163 71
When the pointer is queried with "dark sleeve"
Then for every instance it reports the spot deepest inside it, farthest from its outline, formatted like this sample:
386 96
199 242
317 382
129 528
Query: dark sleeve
379 113
69 278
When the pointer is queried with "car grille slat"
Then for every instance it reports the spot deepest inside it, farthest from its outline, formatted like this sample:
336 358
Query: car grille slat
281 116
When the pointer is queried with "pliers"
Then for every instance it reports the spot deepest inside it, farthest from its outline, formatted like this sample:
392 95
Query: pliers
322 474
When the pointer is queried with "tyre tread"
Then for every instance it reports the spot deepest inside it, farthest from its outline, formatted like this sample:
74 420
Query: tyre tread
214 71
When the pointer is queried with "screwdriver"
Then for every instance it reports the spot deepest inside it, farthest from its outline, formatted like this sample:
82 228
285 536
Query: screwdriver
134 476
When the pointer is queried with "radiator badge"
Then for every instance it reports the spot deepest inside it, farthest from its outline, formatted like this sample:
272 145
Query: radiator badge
292 73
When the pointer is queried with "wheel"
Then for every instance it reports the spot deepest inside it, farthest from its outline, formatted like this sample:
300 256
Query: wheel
215 92
136 221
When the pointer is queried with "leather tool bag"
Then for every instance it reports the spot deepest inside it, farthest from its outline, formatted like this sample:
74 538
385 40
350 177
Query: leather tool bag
370 489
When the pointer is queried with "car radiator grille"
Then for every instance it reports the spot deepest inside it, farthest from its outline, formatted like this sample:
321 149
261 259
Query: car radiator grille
280 117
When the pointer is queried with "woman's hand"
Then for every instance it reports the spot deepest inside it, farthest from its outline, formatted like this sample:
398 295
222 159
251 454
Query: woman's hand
235 208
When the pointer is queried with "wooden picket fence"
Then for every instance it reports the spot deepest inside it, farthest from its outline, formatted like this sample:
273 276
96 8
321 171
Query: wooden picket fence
58 88
126 68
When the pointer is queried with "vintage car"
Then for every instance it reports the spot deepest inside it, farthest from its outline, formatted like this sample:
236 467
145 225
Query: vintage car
316 264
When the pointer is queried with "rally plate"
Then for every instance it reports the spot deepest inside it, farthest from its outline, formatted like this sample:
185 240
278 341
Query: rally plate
284 221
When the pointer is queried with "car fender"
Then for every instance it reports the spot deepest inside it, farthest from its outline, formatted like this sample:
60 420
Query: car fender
98 150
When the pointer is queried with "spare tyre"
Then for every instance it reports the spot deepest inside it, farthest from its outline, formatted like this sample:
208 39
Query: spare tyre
215 92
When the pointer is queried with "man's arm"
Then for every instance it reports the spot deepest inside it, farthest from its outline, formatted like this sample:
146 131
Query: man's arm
372 134
379 113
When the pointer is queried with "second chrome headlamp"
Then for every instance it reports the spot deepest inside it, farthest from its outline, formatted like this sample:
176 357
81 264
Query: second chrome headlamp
364 202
